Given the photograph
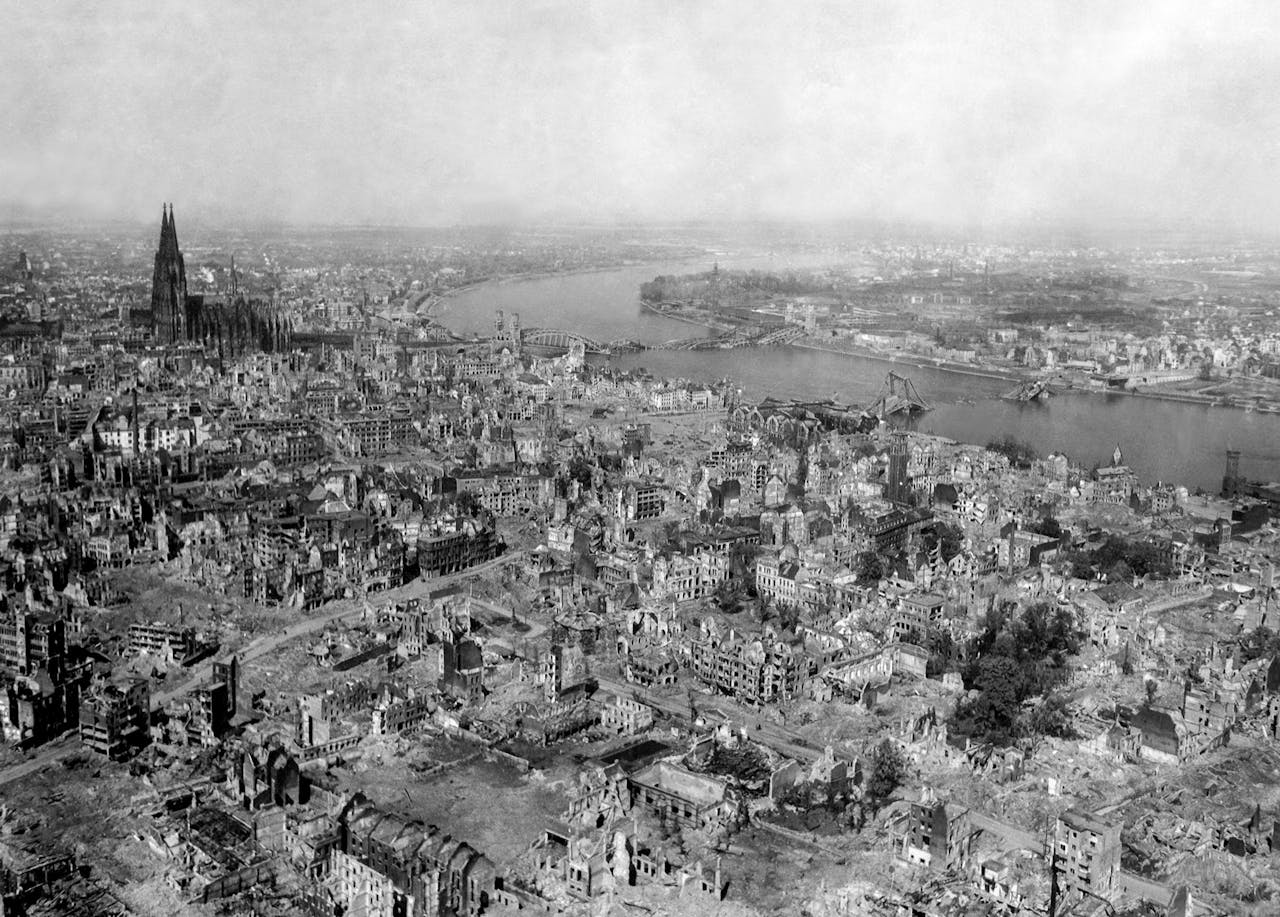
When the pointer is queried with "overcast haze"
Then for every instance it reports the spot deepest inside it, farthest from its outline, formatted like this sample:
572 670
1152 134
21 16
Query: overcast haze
425 113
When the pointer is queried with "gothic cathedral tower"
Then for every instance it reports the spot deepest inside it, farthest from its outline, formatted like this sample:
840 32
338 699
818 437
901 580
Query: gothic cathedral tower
169 286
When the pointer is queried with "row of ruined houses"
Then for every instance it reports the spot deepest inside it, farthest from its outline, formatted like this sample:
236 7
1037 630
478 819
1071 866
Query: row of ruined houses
356 857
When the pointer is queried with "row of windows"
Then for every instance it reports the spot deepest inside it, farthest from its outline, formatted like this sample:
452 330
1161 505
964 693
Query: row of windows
676 807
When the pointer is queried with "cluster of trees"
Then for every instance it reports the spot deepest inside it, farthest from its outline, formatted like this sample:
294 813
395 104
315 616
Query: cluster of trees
580 469
946 534
1019 454
734 596
1121 559
1262 642
783 617
943 652
842 809
467 503
1046 525
888 769
751 284
869 568
1014 666
731 595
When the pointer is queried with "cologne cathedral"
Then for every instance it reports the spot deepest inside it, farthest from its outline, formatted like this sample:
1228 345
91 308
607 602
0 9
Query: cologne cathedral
231 325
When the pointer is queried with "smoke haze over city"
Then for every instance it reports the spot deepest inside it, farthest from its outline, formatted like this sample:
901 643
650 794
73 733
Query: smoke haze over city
964 116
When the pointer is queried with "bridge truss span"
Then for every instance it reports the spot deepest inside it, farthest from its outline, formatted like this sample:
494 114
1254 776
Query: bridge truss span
560 339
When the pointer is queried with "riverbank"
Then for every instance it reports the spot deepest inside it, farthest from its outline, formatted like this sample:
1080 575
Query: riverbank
550 275
983 372
908 359
1183 398
1165 439
1071 386
679 317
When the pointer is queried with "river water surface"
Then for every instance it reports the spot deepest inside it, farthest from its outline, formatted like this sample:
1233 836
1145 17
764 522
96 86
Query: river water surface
1162 440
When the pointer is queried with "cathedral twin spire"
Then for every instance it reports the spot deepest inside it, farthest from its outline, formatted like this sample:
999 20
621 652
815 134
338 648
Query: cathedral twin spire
168 284
240 325
168 231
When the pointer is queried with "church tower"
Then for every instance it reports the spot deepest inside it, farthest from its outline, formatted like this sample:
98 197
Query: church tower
168 285
897 489
1231 480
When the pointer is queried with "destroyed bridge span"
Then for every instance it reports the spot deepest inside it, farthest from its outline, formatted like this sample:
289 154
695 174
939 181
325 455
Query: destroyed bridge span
558 341
1036 390
898 395
729 340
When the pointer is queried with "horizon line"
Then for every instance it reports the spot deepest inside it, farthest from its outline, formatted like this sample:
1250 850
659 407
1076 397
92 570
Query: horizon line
1130 228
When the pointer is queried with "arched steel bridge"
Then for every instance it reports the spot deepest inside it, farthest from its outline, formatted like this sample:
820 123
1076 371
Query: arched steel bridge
559 339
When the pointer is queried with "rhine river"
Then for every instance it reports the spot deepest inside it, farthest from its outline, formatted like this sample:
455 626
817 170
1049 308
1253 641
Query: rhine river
1162 440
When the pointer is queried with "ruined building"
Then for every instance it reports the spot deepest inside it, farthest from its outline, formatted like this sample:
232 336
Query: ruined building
231 325
1086 859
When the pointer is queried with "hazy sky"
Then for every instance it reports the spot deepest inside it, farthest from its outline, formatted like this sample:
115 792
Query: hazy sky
428 112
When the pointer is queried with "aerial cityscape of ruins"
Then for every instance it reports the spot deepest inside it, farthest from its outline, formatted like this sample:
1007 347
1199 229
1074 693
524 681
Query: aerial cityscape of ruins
640 568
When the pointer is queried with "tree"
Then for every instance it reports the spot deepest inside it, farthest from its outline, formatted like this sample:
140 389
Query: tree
579 470
768 610
949 536
1047 525
1046 633
1260 642
996 707
728 595
869 568
1051 718
1016 658
1120 572
1079 565
653 290
788 617
942 651
1019 454
887 770
1123 559
742 562
857 814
